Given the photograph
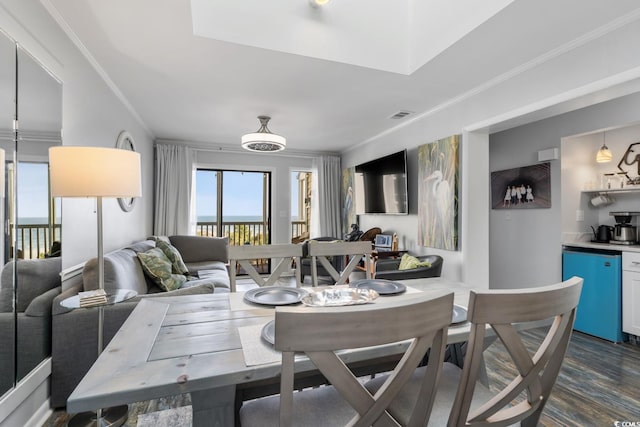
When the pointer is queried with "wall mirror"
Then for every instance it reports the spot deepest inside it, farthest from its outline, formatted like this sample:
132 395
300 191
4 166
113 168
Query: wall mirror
7 144
31 218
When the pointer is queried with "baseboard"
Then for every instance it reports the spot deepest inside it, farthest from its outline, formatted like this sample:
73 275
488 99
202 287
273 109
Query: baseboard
20 405
42 415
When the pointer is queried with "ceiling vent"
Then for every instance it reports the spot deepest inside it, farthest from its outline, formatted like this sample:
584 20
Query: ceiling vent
401 115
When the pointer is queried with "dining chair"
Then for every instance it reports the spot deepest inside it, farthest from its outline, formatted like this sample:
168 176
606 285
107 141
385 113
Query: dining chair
462 400
305 262
321 252
242 255
416 324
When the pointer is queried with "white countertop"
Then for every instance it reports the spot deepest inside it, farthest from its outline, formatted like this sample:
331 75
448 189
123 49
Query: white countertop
607 246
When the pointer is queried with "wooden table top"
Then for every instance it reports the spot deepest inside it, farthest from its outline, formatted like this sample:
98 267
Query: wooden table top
173 345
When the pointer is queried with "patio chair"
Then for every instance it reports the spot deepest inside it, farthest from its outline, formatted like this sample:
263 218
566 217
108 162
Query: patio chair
461 399
319 334
244 254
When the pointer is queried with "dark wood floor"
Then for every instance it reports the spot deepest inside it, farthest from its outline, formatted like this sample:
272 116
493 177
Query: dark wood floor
599 382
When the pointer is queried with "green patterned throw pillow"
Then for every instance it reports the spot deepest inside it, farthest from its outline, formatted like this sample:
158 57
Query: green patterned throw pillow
157 266
177 264
407 262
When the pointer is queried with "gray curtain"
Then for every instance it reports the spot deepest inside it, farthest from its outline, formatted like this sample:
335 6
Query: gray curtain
173 190
326 209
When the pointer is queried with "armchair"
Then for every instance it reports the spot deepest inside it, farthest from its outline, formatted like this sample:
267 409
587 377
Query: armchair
388 269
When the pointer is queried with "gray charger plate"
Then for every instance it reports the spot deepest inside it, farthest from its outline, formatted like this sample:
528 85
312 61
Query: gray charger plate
381 286
275 295
269 332
459 315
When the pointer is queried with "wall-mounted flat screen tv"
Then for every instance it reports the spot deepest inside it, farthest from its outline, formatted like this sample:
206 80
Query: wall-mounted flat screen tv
381 185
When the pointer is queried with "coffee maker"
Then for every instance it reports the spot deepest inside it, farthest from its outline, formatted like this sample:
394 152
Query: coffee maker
624 233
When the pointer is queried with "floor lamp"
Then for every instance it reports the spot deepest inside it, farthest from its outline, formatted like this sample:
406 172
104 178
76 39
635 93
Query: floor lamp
96 172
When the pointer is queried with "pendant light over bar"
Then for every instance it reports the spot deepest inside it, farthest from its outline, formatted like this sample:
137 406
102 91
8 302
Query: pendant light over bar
263 141
604 155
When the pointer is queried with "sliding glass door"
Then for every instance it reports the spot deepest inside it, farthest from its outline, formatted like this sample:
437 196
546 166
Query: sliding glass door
234 204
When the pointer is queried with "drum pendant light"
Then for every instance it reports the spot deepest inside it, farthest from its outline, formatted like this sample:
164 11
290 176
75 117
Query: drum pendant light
263 140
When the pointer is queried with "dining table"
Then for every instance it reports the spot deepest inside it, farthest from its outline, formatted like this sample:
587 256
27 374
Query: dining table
211 346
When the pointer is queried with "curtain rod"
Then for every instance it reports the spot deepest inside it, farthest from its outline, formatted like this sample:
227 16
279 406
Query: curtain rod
239 150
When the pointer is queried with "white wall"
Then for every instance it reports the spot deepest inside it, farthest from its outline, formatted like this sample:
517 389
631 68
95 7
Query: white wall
91 115
582 68
526 250
580 171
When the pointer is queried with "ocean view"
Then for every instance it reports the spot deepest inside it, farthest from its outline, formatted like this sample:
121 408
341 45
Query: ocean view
27 220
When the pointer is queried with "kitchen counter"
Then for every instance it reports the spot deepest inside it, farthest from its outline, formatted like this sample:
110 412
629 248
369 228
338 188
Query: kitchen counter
605 246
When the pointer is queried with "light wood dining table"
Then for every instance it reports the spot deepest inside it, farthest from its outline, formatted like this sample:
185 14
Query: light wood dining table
192 344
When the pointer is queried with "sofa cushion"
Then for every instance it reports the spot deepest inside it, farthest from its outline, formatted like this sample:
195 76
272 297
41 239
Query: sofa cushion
190 287
177 264
219 277
196 267
200 248
407 262
36 276
157 266
142 246
122 270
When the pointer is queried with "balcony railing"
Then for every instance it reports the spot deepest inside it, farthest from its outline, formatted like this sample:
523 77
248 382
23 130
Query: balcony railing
239 233
252 232
34 240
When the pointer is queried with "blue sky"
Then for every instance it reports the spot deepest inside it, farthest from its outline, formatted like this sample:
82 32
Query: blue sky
242 193
33 193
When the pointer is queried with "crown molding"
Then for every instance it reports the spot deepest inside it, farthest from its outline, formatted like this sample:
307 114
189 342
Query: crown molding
55 14
233 149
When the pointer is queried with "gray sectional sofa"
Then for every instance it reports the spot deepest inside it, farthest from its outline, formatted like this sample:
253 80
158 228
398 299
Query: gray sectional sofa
74 344
38 285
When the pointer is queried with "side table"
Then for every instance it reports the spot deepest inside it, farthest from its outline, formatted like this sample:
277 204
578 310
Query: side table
107 417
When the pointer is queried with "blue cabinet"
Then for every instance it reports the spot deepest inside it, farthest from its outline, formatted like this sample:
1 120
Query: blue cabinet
600 308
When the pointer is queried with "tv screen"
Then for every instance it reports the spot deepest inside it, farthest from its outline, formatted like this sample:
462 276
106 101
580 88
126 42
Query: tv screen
381 185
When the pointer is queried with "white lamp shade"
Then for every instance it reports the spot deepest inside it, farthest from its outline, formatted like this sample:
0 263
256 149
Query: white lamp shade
94 172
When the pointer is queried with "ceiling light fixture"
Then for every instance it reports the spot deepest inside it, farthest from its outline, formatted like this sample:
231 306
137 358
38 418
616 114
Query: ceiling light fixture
318 3
604 154
263 140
